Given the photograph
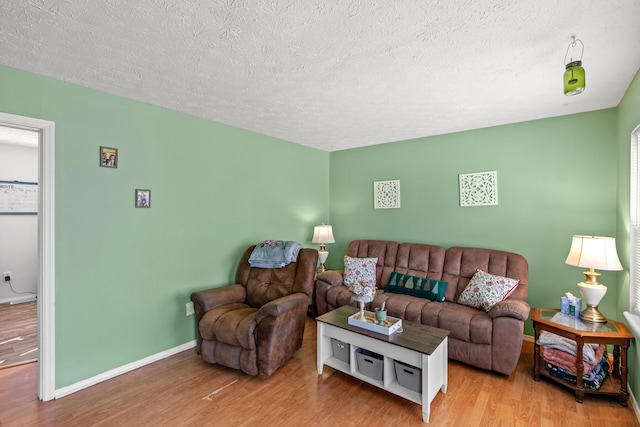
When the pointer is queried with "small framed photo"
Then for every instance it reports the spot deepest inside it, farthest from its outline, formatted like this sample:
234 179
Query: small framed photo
143 198
108 157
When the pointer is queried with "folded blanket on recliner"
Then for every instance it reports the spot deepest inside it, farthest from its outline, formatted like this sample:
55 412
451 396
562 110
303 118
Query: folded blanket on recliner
274 253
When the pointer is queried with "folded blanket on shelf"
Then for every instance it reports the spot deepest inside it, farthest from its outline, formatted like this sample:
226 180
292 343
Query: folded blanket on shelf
593 379
567 361
274 253
549 340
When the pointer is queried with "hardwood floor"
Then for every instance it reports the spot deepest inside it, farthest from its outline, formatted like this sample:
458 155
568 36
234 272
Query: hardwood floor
182 390
18 334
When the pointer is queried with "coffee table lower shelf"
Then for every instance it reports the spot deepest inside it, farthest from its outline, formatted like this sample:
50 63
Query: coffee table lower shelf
434 365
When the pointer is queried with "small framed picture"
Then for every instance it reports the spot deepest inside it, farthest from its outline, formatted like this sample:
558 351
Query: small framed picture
143 198
108 157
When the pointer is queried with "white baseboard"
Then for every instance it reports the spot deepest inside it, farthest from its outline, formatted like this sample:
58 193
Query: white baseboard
634 403
18 299
64 391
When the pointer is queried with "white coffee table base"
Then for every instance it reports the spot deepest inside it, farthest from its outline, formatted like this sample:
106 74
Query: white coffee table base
434 366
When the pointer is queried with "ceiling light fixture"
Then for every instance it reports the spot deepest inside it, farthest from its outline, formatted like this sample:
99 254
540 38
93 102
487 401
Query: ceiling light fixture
574 82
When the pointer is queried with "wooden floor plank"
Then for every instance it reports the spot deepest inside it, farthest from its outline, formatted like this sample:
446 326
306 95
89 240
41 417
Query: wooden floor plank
174 391
18 333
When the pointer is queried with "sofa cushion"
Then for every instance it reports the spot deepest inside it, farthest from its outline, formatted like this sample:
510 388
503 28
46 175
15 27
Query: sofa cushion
484 290
232 324
421 287
465 323
403 306
359 269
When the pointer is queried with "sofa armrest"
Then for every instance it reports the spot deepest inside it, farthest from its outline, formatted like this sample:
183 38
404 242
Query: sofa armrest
211 298
325 281
331 277
279 330
517 309
279 306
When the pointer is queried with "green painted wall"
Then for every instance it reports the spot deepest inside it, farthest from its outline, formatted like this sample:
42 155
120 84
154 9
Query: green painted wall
556 178
628 120
123 275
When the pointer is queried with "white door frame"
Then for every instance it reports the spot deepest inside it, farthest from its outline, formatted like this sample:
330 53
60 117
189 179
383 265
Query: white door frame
46 248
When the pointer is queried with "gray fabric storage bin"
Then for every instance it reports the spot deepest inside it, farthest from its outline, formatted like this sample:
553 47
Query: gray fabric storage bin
340 350
408 376
370 363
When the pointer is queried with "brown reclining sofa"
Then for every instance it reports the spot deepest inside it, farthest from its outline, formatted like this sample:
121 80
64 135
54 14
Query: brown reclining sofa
489 340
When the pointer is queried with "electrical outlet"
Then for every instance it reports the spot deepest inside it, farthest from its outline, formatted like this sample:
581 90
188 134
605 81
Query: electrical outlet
7 276
190 309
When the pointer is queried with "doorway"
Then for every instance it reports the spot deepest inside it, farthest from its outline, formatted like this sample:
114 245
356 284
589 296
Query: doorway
18 246
45 247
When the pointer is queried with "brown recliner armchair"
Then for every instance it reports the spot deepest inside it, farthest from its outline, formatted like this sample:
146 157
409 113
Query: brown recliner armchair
256 324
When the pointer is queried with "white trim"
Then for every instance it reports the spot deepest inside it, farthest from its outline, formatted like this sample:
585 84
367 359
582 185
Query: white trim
634 403
634 224
24 300
46 248
18 298
634 322
64 391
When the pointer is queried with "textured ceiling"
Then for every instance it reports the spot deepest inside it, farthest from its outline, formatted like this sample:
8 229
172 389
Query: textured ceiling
332 74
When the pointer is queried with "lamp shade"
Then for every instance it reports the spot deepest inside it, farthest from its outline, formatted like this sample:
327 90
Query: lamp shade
594 252
322 234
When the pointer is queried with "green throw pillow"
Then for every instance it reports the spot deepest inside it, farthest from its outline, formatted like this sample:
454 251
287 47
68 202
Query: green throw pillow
421 287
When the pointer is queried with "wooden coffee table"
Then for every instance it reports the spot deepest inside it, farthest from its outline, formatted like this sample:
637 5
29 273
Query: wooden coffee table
418 345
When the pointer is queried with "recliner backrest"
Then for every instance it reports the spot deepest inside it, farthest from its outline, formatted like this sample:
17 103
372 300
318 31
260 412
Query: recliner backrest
267 284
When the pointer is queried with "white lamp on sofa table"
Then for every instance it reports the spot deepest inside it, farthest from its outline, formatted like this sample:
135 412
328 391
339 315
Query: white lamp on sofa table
322 234
593 252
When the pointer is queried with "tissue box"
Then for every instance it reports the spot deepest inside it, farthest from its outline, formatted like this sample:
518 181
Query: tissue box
571 307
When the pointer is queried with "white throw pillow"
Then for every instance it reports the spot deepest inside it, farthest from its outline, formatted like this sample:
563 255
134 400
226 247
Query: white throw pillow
359 270
484 290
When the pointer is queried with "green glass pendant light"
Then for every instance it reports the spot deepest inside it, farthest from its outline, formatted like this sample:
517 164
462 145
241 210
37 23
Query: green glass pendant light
574 82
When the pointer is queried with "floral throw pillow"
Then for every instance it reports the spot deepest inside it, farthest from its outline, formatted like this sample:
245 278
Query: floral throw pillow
359 269
484 290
